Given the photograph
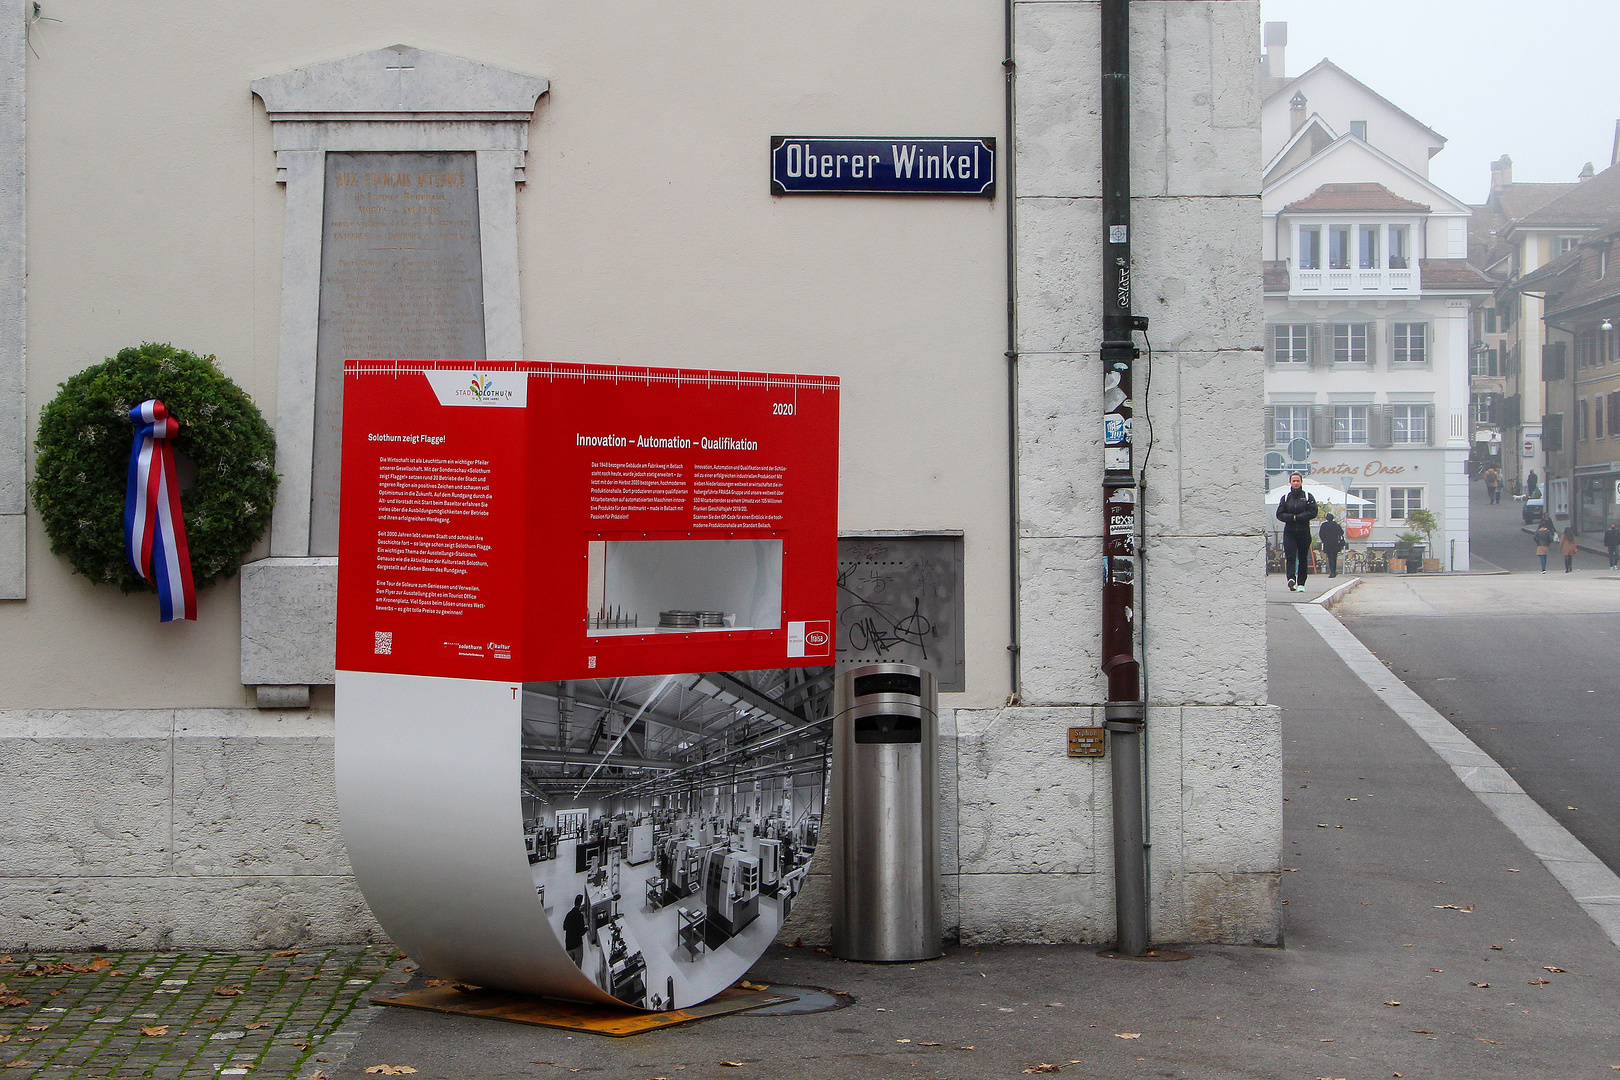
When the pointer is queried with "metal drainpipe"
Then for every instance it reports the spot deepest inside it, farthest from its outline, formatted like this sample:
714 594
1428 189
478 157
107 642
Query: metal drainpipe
1009 194
1124 713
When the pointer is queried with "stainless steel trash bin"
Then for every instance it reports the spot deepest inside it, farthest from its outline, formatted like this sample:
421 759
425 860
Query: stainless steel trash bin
885 786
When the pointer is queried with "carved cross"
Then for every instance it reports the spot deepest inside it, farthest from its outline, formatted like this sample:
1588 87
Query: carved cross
402 67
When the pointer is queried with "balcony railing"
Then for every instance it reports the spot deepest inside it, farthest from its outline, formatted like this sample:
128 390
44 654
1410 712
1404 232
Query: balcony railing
1354 282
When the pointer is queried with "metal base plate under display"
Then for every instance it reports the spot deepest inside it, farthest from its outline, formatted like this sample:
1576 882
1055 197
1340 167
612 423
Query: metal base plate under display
613 1020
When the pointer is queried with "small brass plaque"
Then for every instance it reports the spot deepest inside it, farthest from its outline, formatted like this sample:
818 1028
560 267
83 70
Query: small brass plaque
1087 742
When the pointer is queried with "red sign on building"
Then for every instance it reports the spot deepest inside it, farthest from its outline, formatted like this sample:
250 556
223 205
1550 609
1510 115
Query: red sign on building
523 521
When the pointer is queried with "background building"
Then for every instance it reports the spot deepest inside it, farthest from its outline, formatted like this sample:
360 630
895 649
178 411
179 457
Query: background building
1368 291
162 180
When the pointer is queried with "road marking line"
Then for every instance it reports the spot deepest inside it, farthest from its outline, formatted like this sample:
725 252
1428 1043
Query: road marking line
1588 880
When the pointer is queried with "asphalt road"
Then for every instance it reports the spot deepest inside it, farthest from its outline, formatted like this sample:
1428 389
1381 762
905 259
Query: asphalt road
1524 663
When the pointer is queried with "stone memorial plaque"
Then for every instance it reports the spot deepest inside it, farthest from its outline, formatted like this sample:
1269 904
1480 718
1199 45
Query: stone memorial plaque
401 279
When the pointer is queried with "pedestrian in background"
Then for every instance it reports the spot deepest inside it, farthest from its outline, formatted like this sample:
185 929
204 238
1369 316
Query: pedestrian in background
1611 540
1332 534
1567 548
1544 542
1532 484
1296 510
1493 485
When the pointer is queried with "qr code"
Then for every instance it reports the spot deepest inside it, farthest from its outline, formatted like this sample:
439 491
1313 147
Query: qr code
382 643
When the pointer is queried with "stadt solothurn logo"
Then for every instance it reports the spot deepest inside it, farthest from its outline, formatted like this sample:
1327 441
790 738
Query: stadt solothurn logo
483 388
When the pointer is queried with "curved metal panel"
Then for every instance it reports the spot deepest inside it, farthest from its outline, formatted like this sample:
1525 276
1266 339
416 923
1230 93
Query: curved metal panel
427 778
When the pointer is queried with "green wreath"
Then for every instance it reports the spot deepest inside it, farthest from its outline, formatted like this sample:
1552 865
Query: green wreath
82 463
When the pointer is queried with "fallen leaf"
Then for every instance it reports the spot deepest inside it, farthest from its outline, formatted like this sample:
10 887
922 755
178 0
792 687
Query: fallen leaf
309 978
286 952
1392 1003
227 991
1128 1035
391 1070
19 1063
1493 1042
1554 970
1540 982
1498 948
1327 1040
1482 986
1417 1031
746 985
967 1048
1044 1068
9 1000
930 1044
1453 907
1438 971
256 1027
162 1029
902 1040
733 1064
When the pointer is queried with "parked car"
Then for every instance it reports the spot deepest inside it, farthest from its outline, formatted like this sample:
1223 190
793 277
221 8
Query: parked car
1534 509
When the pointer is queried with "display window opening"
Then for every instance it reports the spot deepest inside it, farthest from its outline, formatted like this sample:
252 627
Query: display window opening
682 586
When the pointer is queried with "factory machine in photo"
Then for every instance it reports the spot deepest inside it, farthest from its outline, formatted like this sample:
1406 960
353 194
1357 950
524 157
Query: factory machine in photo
669 820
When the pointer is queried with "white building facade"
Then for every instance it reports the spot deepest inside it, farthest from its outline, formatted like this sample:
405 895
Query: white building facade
1368 297
173 783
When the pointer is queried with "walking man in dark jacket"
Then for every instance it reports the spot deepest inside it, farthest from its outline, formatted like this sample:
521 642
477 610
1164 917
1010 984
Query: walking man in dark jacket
1611 540
1296 510
1332 535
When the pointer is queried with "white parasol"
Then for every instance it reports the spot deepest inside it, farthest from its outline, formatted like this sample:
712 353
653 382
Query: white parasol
1323 494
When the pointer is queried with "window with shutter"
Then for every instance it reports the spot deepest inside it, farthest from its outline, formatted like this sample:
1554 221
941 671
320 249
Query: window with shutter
1411 425
1350 425
1271 426
1290 343
1597 417
1409 343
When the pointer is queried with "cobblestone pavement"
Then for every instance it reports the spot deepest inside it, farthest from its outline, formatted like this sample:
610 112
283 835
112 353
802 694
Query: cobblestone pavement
182 1015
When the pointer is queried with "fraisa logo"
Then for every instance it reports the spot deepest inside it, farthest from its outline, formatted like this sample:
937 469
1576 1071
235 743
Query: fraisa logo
501 389
816 639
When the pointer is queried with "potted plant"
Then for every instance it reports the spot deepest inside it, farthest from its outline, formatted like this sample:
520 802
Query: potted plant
1423 521
1410 547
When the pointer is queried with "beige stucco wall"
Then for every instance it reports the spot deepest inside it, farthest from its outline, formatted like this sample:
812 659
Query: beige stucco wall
647 236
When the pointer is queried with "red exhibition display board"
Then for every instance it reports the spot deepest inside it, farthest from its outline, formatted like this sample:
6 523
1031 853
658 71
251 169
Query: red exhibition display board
520 521
574 603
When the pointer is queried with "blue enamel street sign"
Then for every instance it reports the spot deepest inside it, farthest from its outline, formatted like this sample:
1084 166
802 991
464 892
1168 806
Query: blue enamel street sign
806 166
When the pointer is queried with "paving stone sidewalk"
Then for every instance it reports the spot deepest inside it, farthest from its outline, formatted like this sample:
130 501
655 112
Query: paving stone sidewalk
184 1015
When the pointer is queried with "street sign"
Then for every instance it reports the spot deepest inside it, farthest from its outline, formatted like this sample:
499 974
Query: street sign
871 166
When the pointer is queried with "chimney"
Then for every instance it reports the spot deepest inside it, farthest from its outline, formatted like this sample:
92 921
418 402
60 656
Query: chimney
1586 173
1276 41
1296 112
1501 173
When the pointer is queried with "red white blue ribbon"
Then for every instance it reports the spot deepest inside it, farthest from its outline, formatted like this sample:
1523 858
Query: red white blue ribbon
154 530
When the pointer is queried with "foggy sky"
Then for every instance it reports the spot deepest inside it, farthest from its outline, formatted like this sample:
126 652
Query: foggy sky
1494 77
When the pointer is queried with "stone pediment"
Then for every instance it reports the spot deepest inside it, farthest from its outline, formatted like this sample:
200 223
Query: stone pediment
399 80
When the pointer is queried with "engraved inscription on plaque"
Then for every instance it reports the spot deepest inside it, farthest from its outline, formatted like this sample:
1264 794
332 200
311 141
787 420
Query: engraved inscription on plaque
401 278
